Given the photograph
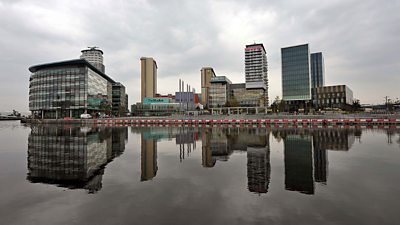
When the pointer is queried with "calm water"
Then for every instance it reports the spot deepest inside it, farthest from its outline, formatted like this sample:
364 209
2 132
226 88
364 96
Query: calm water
172 175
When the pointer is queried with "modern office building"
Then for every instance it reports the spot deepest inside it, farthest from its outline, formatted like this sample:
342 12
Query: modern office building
296 78
256 68
219 91
336 96
119 101
317 74
68 89
155 107
239 96
148 77
95 57
317 70
127 102
207 73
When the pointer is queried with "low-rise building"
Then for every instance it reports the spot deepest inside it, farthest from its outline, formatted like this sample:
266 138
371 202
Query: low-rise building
219 91
336 96
242 97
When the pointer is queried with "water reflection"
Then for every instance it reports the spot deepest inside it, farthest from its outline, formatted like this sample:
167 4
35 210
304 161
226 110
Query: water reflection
219 143
73 157
148 158
306 154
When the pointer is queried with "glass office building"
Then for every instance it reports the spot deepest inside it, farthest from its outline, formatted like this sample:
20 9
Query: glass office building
68 89
317 74
119 100
317 70
296 79
242 97
219 91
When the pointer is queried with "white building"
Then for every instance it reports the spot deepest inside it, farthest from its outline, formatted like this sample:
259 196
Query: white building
95 57
256 68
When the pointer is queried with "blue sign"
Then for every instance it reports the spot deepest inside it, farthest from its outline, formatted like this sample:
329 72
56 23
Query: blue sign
148 101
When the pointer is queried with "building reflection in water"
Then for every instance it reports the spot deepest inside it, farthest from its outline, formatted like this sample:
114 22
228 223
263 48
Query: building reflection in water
73 157
148 158
306 154
186 138
298 164
219 143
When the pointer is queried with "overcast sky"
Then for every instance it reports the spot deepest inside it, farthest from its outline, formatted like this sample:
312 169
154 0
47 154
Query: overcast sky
360 40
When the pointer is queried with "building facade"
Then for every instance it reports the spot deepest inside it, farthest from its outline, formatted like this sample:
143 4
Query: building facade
256 68
317 74
337 96
95 57
241 97
68 89
119 99
296 78
317 70
207 73
219 91
160 106
148 77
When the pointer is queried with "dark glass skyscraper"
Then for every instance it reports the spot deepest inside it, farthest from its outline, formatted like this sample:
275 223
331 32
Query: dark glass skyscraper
317 74
317 70
296 79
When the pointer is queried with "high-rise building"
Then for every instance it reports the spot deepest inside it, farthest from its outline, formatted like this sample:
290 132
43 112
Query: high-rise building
317 74
317 70
95 57
207 73
256 68
296 79
148 77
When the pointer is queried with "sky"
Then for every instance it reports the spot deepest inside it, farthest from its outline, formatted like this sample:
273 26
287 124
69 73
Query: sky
360 40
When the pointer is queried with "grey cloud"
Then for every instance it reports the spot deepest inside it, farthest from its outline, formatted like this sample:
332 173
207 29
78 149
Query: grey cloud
358 39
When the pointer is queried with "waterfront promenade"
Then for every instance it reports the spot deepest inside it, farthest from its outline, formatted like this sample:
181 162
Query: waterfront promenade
327 119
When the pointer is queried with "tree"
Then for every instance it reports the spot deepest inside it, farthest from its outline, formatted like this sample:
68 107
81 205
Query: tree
278 105
275 104
356 106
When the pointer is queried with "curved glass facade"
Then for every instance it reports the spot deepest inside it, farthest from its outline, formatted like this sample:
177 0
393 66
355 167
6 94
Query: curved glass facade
58 91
